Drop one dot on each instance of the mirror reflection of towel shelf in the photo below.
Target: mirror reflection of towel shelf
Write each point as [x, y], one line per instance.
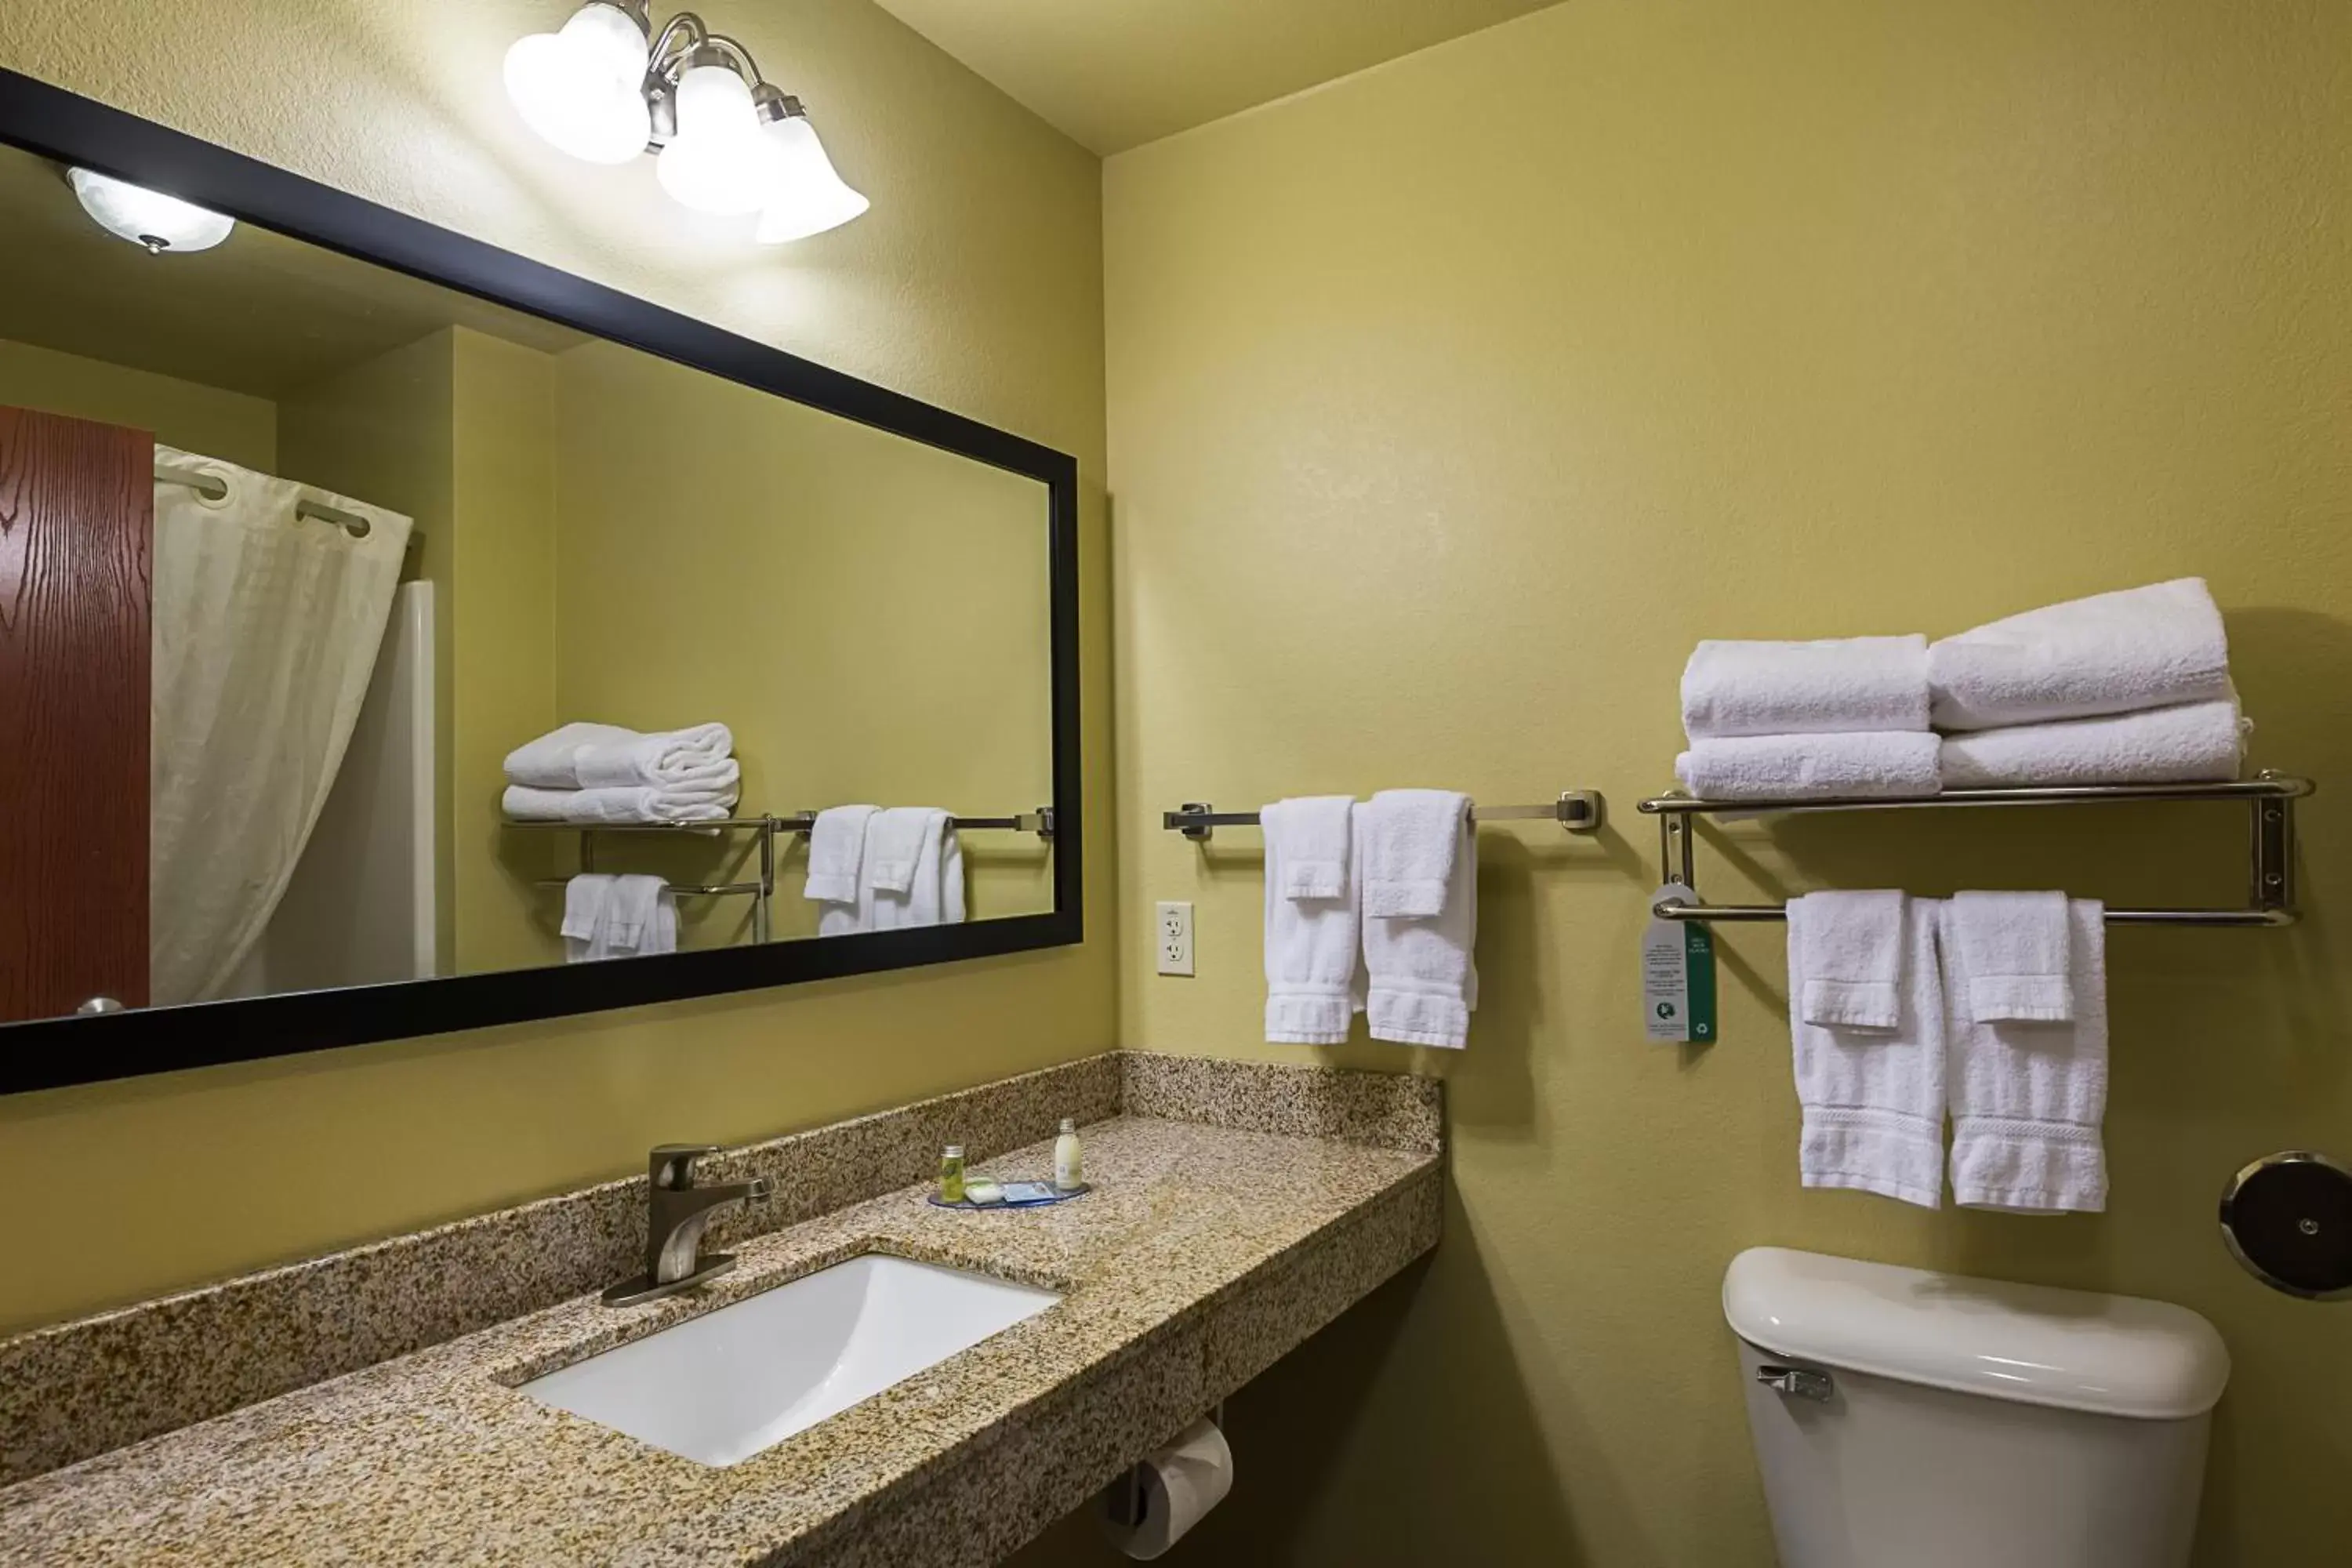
[2270, 799]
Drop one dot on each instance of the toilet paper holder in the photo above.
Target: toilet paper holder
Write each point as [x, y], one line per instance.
[1123, 1499]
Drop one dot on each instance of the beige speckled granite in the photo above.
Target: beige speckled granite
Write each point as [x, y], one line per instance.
[1396, 1111]
[1205, 1252]
[84, 1387]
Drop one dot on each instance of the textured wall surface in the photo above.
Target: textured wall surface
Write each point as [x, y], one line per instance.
[1450, 403]
[975, 282]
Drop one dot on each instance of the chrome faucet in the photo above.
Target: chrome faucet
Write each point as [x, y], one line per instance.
[677, 1214]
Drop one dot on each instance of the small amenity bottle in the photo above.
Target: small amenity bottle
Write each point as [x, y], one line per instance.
[951, 1175]
[1069, 1165]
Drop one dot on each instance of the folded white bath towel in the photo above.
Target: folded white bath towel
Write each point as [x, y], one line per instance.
[670, 758]
[636, 803]
[1854, 959]
[1873, 1099]
[1410, 842]
[1318, 844]
[606, 756]
[2111, 653]
[1783, 767]
[2014, 949]
[1837, 685]
[1421, 971]
[2196, 742]
[1313, 984]
[837, 853]
[2027, 1097]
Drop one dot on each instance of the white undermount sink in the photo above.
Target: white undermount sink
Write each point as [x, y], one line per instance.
[721, 1387]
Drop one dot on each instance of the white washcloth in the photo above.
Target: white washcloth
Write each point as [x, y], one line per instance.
[1317, 846]
[1780, 767]
[1837, 685]
[583, 911]
[1854, 959]
[1313, 985]
[603, 756]
[2014, 949]
[670, 758]
[637, 803]
[2111, 652]
[1873, 1099]
[837, 853]
[630, 912]
[2195, 743]
[2027, 1099]
[1410, 842]
[1421, 971]
[934, 891]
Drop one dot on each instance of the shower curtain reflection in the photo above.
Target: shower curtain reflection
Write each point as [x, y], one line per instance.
[266, 628]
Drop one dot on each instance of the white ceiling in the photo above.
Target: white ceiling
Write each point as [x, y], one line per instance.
[1113, 74]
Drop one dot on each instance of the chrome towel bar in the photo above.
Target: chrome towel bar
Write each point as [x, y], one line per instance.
[1577, 810]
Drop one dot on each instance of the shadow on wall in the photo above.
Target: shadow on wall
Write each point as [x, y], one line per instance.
[1417, 1397]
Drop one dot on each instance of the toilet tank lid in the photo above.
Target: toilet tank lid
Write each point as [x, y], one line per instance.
[2076, 1350]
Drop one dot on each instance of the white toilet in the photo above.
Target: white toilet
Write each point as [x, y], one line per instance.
[1904, 1417]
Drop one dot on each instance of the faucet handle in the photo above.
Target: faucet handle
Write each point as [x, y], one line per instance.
[671, 1165]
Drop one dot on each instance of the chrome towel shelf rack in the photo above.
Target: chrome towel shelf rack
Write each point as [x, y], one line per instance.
[761, 892]
[1577, 810]
[2269, 800]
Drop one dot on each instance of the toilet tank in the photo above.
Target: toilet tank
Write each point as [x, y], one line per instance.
[1903, 1417]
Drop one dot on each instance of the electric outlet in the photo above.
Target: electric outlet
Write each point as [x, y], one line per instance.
[1175, 939]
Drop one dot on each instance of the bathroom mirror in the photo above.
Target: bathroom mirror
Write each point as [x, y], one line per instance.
[323, 532]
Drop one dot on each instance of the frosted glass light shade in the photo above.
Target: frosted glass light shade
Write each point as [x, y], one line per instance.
[717, 163]
[805, 194]
[151, 218]
[584, 88]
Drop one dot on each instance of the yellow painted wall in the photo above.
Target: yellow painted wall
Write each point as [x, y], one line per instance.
[1451, 404]
[234, 426]
[866, 613]
[975, 282]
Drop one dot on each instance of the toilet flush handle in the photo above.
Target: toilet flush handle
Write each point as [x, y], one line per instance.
[1803, 1382]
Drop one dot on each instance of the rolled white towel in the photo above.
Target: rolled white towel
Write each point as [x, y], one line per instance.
[1837, 685]
[1788, 767]
[2111, 652]
[2197, 742]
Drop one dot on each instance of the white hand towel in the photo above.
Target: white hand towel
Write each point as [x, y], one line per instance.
[1854, 959]
[2014, 949]
[1318, 844]
[1781, 767]
[2196, 743]
[639, 802]
[1837, 685]
[585, 898]
[1421, 971]
[630, 912]
[1411, 840]
[934, 893]
[670, 758]
[2111, 652]
[552, 761]
[896, 845]
[1311, 977]
[837, 853]
[1873, 1099]
[2027, 1099]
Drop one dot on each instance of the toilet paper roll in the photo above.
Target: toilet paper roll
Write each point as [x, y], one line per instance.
[1181, 1483]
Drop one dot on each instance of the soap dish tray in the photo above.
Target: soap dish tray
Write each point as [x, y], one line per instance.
[1051, 1198]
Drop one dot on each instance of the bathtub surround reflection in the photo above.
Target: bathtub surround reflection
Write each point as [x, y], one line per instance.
[607, 86]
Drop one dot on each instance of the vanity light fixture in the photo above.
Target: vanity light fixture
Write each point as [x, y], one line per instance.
[609, 86]
[142, 216]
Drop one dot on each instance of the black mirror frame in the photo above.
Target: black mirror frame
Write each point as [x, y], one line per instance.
[53, 1052]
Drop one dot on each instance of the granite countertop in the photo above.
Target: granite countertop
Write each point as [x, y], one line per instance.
[1203, 1253]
